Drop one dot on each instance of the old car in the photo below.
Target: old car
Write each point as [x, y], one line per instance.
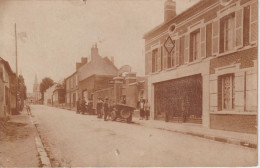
[122, 111]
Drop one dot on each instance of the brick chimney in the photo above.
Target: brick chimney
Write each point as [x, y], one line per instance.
[169, 10]
[84, 60]
[94, 52]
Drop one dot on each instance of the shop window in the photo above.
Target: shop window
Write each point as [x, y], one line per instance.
[227, 33]
[194, 45]
[226, 92]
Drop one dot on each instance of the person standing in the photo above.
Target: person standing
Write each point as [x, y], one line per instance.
[147, 109]
[99, 107]
[142, 109]
[106, 109]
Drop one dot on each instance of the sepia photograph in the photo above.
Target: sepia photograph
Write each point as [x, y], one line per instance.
[129, 83]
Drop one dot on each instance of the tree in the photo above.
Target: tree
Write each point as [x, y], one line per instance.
[45, 84]
[21, 91]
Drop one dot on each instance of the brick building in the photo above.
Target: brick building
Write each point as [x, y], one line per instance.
[202, 65]
[95, 74]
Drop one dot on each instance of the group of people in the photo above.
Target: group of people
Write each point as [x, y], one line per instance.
[84, 106]
[103, 107]
[144, 107]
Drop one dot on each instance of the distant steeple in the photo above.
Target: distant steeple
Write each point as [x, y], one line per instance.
[35, 79]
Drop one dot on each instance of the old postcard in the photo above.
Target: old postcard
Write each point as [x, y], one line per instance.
[128, 83]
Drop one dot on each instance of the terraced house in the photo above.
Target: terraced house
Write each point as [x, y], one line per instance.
[202, 65]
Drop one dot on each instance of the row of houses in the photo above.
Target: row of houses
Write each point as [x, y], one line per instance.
[96, 78]
[202, 64]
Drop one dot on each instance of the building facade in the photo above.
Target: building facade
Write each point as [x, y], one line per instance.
[7, 89]
[201, 65]
[96, 74]
[72, 86]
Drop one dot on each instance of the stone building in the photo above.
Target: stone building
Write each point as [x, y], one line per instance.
[201, 65]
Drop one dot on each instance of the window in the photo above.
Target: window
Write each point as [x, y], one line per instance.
[181, 55]
[227, 33]
[226, 92]
[156, 61]
[154, 57]
[195, 45]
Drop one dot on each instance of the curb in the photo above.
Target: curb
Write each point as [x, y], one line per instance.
[45, 161]
[214, 138]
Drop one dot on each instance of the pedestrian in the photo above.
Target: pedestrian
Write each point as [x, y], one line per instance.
[147, 109]
[142, 109]
[78, 105]
[99, 107]
[83, 105]
[106, 109]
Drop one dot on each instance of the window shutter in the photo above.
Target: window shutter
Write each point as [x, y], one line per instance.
[215, 37]
[203, 42]
[186, 49]
[219, 93]
[177, 51]
[159, 59]
[239, 28]
[253, 22]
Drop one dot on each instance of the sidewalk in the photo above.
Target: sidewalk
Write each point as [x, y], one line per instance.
[243, 139]
[17, 142]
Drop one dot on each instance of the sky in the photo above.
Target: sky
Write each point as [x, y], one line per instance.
[54, 34]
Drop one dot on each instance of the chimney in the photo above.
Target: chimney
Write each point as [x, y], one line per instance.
[169, 10]
[78, 65]
[84, 60]
[94, 52]
[112, 59]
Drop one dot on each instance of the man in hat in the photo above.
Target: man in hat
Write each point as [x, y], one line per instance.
[106, 109]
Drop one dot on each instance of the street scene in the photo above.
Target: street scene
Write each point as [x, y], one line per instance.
[159, 83]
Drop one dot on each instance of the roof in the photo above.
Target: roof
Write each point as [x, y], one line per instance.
[7, 66]
[70, 75]
[185, 12]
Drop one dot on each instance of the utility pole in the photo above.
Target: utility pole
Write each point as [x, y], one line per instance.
[16, 62]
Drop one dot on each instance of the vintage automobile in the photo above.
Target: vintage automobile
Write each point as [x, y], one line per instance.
[122, 111]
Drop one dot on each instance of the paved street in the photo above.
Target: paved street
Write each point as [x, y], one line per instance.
[82, 140]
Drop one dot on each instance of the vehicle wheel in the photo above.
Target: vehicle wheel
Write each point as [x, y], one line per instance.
[129, 119]
[113, 115]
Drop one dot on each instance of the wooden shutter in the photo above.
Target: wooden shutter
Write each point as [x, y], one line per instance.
[219, 93]
[177, 51]
[159, 59]
[253, 22]
[239, 28]
[203, 42]
[215, 37]
[186, 48]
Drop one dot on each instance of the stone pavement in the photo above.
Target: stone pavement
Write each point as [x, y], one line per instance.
[243, 139]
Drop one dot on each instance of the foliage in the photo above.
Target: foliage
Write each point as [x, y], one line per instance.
[45, 84]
